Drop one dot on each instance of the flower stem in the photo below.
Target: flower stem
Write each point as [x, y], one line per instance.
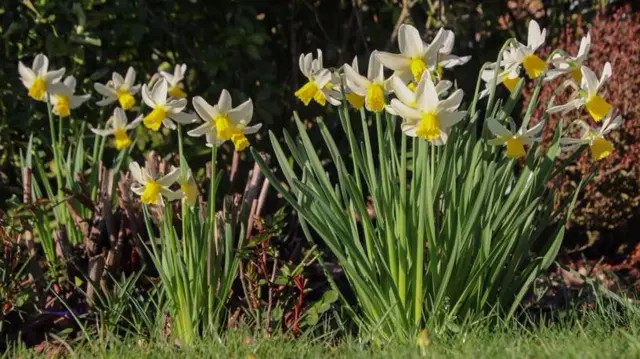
[54, 147]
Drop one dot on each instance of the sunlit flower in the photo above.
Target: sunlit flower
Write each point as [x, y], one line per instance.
[150, 187]
[163, 111]
[507, 77]
[63, 99]
[189, 188]
[38, 79]
[406, 93]
[355, 100]
[520, 54]
[119, 89]
[222, 122]
[429, 118]
[117, 126]
[371, 87]
[415, 56]
[588, 96]
[513, 140]
[175, 81]
[319, 85]
[571, 64]
[599, 146]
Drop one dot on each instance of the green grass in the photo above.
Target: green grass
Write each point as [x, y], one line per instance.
[593, 336]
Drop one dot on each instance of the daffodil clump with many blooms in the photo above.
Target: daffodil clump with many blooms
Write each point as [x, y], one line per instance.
[455, 225]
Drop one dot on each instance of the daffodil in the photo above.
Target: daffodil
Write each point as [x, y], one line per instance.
[507, 77]
[119, 89]
[371, 87]
[63, 98]
[164, 111]
[355, 100]
[222, 122]
[406, 93]
[571, 64]
[588, 96]
[189, 188]
[513, 140]
[175, 81]
[599, 146]
[38, 79]
[429, 118]
[415, 56]
[519, 54]
[150, 187]
[319, 86]
[117, 126]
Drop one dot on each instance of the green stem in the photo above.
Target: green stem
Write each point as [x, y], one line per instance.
[403, 240]
[54, 147]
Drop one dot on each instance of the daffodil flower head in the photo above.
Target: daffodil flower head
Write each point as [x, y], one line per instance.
[355, 100]
[38, 79]
[189, 188]
[152, 188]
[415, 56]
[118, 126]
[570, 64]
[175, 81]
[222, 122]
[164, 110]
[406, 92]
[431, 118]
[588, 95]
[372, 87]
[513, 140]
[319, 85]
[599, 146]
[119, 89]
[520, 54]
[63, 98]
[445, 59]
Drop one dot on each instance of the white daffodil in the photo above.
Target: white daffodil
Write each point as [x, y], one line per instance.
[445, 58]
[117, 126]
[520, 54]
[152, 188]
[571, 64]
[38, 79]
[119, 89]
[371, 87]
[415, 56]
[355, 100]
[507, 77]
[429, 118]
[63, 98]
[594, 138]
[406, 93]
[164, 111]
[189, 188]
[222, 122]
[588, 96]
[512, 139]
[175, 81]
[319, 86]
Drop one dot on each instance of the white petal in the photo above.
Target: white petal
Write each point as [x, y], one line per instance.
[394, 62]
[159, 92]
[201, 130]
[589, 81]
[134, 123]
[443, 86]
[534, 131]
[571, 105]
[136, 172]
[77, 101]
[224, 103]
[130, 77]
[252, 129]
[137, 190]
[171, 195]
[204, 110]
[147, 96]
[359, 82]
[426, 94]
[52, 76]
[447, 43]
[176, 106]
[448, 119]
[26, 73]
[409, 41]
[402, 91]
[117, 80]
[183, 118]
[405, 111]
[535, 38]
[375, 72]
[119, 118]
[170, 178]
[606, 74]
[168, 77]
[453, 102]
[409, 128]
[102, 132]
[106, 101]
[453, 60]
[241, 114]
[585, 45]
[40, 64]
[168, 123]
[71, 82]
[497, 129]
[104, 90]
